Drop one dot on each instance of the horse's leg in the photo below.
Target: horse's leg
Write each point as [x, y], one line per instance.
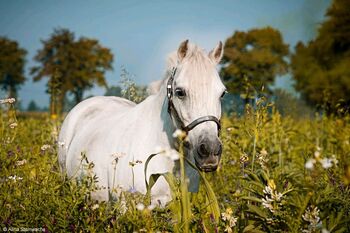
[102, 192]
[160, 193]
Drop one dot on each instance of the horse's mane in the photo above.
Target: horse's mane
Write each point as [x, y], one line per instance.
[194, 53]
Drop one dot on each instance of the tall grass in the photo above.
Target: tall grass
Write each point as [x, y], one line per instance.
[277, 174]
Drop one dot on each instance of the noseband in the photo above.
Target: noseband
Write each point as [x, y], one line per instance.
[173, 113]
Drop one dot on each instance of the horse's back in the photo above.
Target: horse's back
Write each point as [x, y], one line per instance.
[83, 114]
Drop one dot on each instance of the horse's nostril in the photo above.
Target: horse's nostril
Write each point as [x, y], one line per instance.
[202, 150]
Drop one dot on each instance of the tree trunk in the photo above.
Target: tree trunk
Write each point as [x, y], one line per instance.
[61, 102]
[12, 92]
[57, 101]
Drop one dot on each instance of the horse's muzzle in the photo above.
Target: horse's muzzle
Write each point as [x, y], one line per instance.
[207, 168]
[208, 164]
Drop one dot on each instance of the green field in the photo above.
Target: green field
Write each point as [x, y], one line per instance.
[277, 174]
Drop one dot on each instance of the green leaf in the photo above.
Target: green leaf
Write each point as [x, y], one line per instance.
[209, 192]
[255, 199]
[256, 210]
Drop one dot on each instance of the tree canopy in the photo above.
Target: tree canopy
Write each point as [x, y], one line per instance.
[71, 65]
[12, 61]
[253, 59]
[321, 67]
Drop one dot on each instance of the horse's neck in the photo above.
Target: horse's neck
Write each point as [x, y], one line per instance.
[169, 128]
[161, 120]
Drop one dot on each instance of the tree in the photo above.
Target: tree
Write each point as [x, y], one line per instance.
[253, 59]
[12, 61]
[321, 67]
[288, 105]
[114, 91]
[71, 65]
[32, 106]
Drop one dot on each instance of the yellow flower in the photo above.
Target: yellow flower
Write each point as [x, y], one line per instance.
[272, 184]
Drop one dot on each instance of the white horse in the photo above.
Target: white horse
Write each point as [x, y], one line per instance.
[102, 127]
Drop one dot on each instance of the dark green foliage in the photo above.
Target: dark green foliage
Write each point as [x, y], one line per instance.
[114, 91]
[289, 105]
[71, 65]
[32, 106]
[12, 61]
[252, 60]
[321, 67]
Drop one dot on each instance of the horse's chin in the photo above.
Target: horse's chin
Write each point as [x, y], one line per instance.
[205, 168]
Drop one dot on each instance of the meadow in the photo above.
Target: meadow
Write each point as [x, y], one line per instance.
[277, 174]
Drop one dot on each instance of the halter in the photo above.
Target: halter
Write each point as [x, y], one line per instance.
[172, 109]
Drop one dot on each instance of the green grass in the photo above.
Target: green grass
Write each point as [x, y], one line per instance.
[262, 184]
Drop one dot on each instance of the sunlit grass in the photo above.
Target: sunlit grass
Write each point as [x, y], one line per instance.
[277, 174]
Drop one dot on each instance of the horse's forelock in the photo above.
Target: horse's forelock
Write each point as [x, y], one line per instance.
[194, 53]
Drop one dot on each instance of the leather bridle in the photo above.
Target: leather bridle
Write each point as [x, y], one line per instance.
[174, 114]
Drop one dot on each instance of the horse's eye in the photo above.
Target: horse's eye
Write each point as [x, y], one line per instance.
[180, 93]
[223, 94]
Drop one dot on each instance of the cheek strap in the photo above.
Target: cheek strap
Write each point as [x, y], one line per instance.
[174, 114]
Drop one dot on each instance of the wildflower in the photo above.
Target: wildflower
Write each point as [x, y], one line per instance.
[271, 197]
[310, 164]
[13, 125]
[229, 219]
[172, 154]
[334, 160]
[140, 206]
[262, 158]
[244, 158]
[45, 147]
[21, 162]
[326, 163]
[228, 213]
[229, 129]
[116, 157]
[53, 116]
[133, 163]
[8, 101]
[94, 207]
[15, 178]
[263, 152]
[132, 190]
[179, 134]
[311, 215]
[317, 154]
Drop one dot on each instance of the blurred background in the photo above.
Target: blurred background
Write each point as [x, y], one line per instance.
[296, 53]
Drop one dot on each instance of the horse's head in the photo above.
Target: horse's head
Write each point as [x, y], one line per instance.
[194, 98]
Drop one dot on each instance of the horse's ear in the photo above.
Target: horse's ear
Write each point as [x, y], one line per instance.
[217, 53]
[182, 50]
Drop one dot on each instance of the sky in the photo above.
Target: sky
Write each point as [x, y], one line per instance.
[142, 33]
